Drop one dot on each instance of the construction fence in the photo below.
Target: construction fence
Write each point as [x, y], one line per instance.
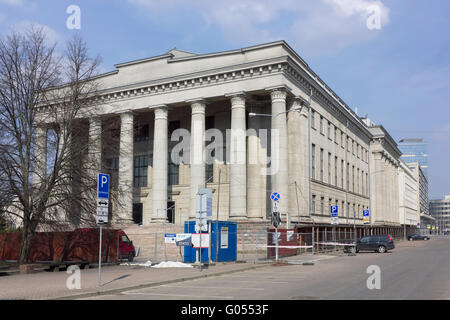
[255, 247]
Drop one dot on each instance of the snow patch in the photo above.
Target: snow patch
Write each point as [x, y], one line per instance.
[172, 264]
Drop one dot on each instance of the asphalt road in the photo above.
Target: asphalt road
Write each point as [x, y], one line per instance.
[413, 270]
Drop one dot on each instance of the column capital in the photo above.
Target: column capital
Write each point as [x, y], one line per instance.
[278, 92]
[237, 99]
[197, 101]
[126, 113]
[198, 106]
[161, 112]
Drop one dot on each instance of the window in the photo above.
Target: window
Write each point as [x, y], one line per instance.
[141, 133]
[362, 183]
[209, 122]
[313, 204]
[329, 168]
[329, 130]
[112, 163]
[342, 173]
[321, 165]
[335, 135]
[173, 173]
[173, 125]
[342, 140]
[140, 171]
[313, 160]
[313, 119]
[322, 205]
[321, 124]
[357, 181]
[209, 172]
[353, 178]
[336, 171]
[347, 173]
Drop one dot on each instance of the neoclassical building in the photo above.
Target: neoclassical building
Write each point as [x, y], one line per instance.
[300, 139]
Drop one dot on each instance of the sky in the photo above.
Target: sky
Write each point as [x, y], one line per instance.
[389, 59]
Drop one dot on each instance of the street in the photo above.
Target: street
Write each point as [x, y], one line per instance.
[413, 270]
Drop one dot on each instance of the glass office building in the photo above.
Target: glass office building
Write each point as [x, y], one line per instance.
[415, 150]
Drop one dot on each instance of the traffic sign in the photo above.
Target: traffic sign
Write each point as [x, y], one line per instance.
[103, 185]
[334, 211]
[275, 206]
[276, 219]
[102, 198]
[103, 202]
[366, 216]
[275, 196]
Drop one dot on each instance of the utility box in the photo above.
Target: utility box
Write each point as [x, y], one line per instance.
[226, 242]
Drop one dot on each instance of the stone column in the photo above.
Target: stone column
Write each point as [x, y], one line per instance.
[396, 195]
[279, 151]
[256, 175]
[64, 184]
[40, 157]
[386, 182]
[238, 155]
[95, 146]
[126, 168]
[160, 165]
[297, 128]
[197, 151]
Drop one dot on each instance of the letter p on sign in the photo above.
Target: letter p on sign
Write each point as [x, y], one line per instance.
[103, 185]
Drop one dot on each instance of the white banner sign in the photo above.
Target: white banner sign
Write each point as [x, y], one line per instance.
[204, 240]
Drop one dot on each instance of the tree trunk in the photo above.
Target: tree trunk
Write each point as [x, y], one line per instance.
[27, 238]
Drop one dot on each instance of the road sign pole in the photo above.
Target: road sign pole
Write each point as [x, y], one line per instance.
[276, 244]
[100, 259]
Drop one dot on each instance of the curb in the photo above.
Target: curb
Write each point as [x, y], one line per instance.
[153, 284]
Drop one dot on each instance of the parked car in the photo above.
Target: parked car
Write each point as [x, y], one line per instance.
[377, 243]
[417, 237]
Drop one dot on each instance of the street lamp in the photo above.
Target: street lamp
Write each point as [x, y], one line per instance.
[253, 114]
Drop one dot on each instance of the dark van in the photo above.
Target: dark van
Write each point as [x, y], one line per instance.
[377, 243]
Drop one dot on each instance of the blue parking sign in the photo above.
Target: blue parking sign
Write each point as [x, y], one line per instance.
[334, 211]
[103, 185]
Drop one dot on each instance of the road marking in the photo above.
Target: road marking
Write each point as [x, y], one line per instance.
[236, 280]
[174, 295]
[203, 287]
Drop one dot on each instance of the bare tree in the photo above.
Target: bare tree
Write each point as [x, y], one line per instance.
[45, 160]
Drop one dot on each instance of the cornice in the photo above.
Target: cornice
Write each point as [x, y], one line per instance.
[323, 95]
[210, 77]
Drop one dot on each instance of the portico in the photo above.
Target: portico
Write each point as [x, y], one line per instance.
[169, 124]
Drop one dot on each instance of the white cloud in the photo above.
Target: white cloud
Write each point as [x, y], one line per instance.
[15, 3]
[315, 27]
[52, 35]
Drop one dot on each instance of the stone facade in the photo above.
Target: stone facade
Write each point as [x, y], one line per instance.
[287, 132]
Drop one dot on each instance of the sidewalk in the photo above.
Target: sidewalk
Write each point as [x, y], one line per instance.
[52, 285]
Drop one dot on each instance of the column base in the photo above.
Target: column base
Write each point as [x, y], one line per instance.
[240, 218]
[158, 220]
